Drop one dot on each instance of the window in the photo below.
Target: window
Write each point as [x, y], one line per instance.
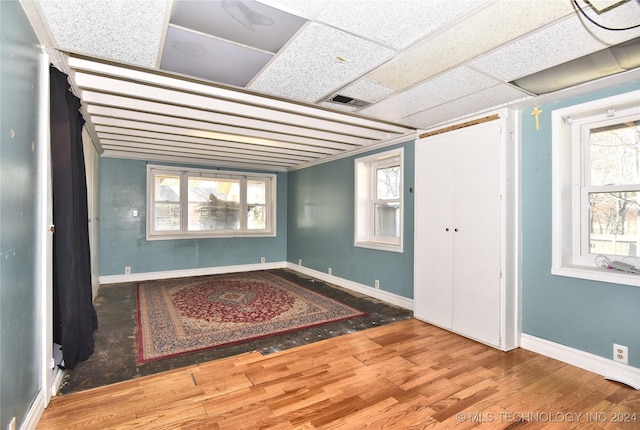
[378, 218]
[596, 185]
[206, 203]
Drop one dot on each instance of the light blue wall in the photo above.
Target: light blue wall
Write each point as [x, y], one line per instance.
[321, 226]
[20, 326]
[315, 224]
[586, 315]
[123, 237]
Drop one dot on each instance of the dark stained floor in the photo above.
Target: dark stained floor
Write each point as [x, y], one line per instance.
[114, 357]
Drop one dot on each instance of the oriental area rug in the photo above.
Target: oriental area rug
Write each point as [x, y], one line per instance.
[181, 316]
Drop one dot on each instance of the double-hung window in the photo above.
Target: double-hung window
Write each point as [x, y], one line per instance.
[596, 181]
[379, 208]
[194, 203]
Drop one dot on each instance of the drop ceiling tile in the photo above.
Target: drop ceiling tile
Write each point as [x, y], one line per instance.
[309, 68]
[491, 26]
[452, 85]
[622, 16]
[392, 25]
[541, 50]
[120, 30]
[367, 91]
[306, 9]
[484, 100]
[209, 58]
[245, 22]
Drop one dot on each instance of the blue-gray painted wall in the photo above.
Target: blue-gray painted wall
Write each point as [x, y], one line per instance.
[20, 321]
[586, 315]
[321, 226]
[123, 237]
[315, 224]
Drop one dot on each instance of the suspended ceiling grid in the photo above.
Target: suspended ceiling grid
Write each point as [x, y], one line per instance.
[146, 69]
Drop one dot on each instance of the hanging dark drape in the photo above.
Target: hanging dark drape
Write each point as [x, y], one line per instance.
[74, 317]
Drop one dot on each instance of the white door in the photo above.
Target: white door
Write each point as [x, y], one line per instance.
[458, 231]
[477, 232]
[433, 232]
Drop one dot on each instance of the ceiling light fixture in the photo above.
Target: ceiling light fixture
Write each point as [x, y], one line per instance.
[607, 62]
[244, 15]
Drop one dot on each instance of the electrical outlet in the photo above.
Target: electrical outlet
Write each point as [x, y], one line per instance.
[300, 262]
[12, 424]
[127, 270]
[376, 284]
[330, 271]
[262, 259]
[620, 353]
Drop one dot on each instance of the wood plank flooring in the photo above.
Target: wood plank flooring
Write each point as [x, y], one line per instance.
[404, 375]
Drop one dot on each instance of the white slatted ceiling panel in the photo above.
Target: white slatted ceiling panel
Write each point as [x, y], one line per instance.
[151, 115]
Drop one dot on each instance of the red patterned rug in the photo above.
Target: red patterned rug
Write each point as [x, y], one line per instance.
[180, 316]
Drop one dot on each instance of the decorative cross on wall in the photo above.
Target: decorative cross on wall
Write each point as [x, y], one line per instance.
[536, 112]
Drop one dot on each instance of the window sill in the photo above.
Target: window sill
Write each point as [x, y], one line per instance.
[379, 246]
[212, 236]
[597, 274]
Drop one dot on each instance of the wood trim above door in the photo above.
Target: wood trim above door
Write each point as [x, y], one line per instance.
[459, 126]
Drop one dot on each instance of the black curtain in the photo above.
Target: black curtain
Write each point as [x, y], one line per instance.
[74, 317]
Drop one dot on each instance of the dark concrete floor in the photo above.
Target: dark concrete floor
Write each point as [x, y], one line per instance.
[114, 357]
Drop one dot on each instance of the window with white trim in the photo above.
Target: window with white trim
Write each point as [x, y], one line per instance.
[198, 203]
[379, 201]
[596, 186]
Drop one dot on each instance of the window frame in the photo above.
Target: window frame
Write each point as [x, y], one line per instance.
[570, 188]
[188, 172]
[366, 198]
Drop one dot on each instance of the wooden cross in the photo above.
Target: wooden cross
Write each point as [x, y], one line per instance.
[536, 112]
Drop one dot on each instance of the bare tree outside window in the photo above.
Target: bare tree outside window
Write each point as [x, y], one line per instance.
[167, 203]
[387, 202]
[614, 189]
[256, 205]
[214, 204]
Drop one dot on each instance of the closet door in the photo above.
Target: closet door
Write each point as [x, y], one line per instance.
[477, 232]
[458, 231]
[433, 246]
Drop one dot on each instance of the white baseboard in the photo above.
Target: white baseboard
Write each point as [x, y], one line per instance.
[385, 296]
[56, 382]
[35, 413]
[150, 276]
[610, 369]
[345, 283]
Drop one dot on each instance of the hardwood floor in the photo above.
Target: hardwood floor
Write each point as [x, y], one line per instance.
[404, 375]
[114, 358]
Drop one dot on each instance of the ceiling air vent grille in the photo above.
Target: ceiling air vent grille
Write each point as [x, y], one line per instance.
[349, 101]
